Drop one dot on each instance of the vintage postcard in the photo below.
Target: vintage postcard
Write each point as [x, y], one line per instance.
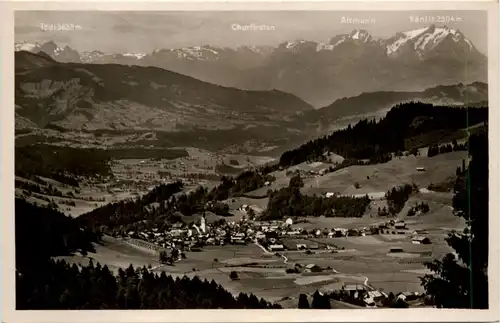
[249, 161]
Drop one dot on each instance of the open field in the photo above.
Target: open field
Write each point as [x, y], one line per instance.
[373, 179]
[382, 177]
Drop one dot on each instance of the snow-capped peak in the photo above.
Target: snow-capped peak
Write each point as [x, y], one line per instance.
[425, 39]
[292, 44]
[136, 55]
[360, 34]
[25, 46]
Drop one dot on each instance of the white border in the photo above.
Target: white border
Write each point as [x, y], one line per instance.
[291, 315]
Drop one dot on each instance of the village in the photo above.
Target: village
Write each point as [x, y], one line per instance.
[285, 239]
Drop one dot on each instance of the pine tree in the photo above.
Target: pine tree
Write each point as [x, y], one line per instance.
[303, 301]
[463, 282]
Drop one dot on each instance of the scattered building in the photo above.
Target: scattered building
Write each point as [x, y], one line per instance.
[353, 288]
[421, 240]
[376, 295]
[407, 296]
[329, 194]
[312, 268]
[301, 246]
[400, 225]
[313, 246]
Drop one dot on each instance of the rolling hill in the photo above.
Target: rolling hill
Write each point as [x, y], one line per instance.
[76, 96]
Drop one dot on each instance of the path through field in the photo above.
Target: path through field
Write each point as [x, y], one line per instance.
[261, 247]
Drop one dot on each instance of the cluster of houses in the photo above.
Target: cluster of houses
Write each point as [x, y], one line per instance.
[400, 227]
[372, 297]
[276, 236]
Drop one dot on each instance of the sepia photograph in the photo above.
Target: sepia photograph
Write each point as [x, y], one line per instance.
[256, 159]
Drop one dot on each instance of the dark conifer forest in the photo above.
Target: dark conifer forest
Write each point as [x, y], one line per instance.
[290, 202]
[460, 280]
[44, 283]
[373, 140]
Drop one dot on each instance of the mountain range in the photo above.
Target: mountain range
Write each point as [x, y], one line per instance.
[319, 73]
[178, 110]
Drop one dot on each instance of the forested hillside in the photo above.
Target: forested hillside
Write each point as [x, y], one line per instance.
[42, 283]
[373, 140]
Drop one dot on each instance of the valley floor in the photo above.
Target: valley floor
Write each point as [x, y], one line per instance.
[364, 259]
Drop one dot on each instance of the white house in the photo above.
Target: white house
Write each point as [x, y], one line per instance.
[289, 221]
[301, 246]
[329, 194]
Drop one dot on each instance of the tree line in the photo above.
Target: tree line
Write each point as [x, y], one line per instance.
[397, 197]
[290, 202]
[45, 283]
[136, 214]
[448, 148]
[460, 280]
[57, 285]
[63, 164]
[374, 140]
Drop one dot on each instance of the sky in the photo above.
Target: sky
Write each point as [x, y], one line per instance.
[131, 32]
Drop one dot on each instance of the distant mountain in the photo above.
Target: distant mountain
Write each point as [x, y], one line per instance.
[61, 54]
[347, 65]
[77, 96]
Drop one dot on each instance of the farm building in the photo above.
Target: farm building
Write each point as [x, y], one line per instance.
[353, 288]
[301, 246]
[420, 169]
[421, 240]
[329, 194]
[312, 268]
[395, 250]
[376, 295]
[289, 221]
[407, 296]
[313, 246]
[400, 225]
